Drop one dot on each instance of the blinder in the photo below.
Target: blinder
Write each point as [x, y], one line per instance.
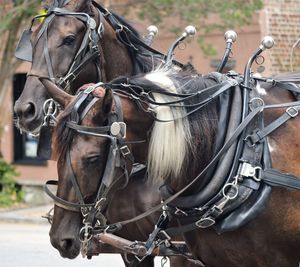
[24, 47]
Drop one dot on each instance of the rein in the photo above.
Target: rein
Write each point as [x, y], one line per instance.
[267, 175]
[257, 173]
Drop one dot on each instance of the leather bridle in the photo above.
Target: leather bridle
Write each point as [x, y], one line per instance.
[119, 155]
[88, 51]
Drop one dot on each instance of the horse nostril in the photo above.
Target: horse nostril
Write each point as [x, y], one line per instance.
[26, 110]
[66, 244]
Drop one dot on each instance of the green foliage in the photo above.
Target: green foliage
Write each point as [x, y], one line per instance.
[208, 16]
[9, 191]
[230, 14]
[21, 9]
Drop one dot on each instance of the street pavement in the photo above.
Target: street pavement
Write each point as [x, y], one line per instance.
[28, 245]
[24, 241]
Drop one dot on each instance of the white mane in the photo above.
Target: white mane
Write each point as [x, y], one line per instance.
[170, 141]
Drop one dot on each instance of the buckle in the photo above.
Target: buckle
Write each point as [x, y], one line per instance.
[89, 90]
[125, 151]
[247, 170]
[70, 78]
[163, 235]
[180, 212]
[205, 222]
[232, 82]
[292, 111]
[249, 141]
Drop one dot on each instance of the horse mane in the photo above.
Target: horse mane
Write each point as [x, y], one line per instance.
[175, 147]
[62, 135]
[175, 144]
[144, 59]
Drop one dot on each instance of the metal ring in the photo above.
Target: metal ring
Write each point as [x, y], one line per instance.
[82, 233]
[230, 185]
[258, 58]
[49, 101]
[257, 179]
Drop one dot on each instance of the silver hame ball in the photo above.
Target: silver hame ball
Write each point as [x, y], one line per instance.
[152, 29]
[230, 36]
[190, 30]
[268, 42]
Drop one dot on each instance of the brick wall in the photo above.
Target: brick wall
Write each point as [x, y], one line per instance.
[283, 23]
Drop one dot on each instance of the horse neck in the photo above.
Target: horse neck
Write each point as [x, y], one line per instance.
[138, 124]
[116, 56]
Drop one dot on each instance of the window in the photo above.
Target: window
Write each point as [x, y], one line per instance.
[25, 146]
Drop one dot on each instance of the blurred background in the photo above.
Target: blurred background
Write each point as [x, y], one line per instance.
[22, 173]
[251, 19]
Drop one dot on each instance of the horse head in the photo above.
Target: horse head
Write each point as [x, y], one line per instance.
[71, 47]
[83, 158]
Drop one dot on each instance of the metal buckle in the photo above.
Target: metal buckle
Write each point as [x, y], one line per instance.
[180, 212]
[125, 151]
[107, 12]
[247, 170]
[89, 90]
[205, 222]
[98, 204]
[232, 82]
[293, 112]
[249, 141]
[69, 78]
[164, 234]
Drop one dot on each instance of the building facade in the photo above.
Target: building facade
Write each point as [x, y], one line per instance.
[279, 18]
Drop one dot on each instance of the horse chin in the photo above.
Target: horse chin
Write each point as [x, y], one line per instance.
[71, 253]
[32, 128]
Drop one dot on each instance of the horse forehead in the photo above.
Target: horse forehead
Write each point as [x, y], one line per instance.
[65, 24]
[84, 145]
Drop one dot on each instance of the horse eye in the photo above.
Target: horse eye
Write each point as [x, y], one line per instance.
[93, 159]
[69, 40]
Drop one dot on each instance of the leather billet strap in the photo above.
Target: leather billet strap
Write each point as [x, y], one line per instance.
[276, 178]
[259, 135]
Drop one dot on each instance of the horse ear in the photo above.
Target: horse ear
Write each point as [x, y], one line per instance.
[56, 93]
[107, 101]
